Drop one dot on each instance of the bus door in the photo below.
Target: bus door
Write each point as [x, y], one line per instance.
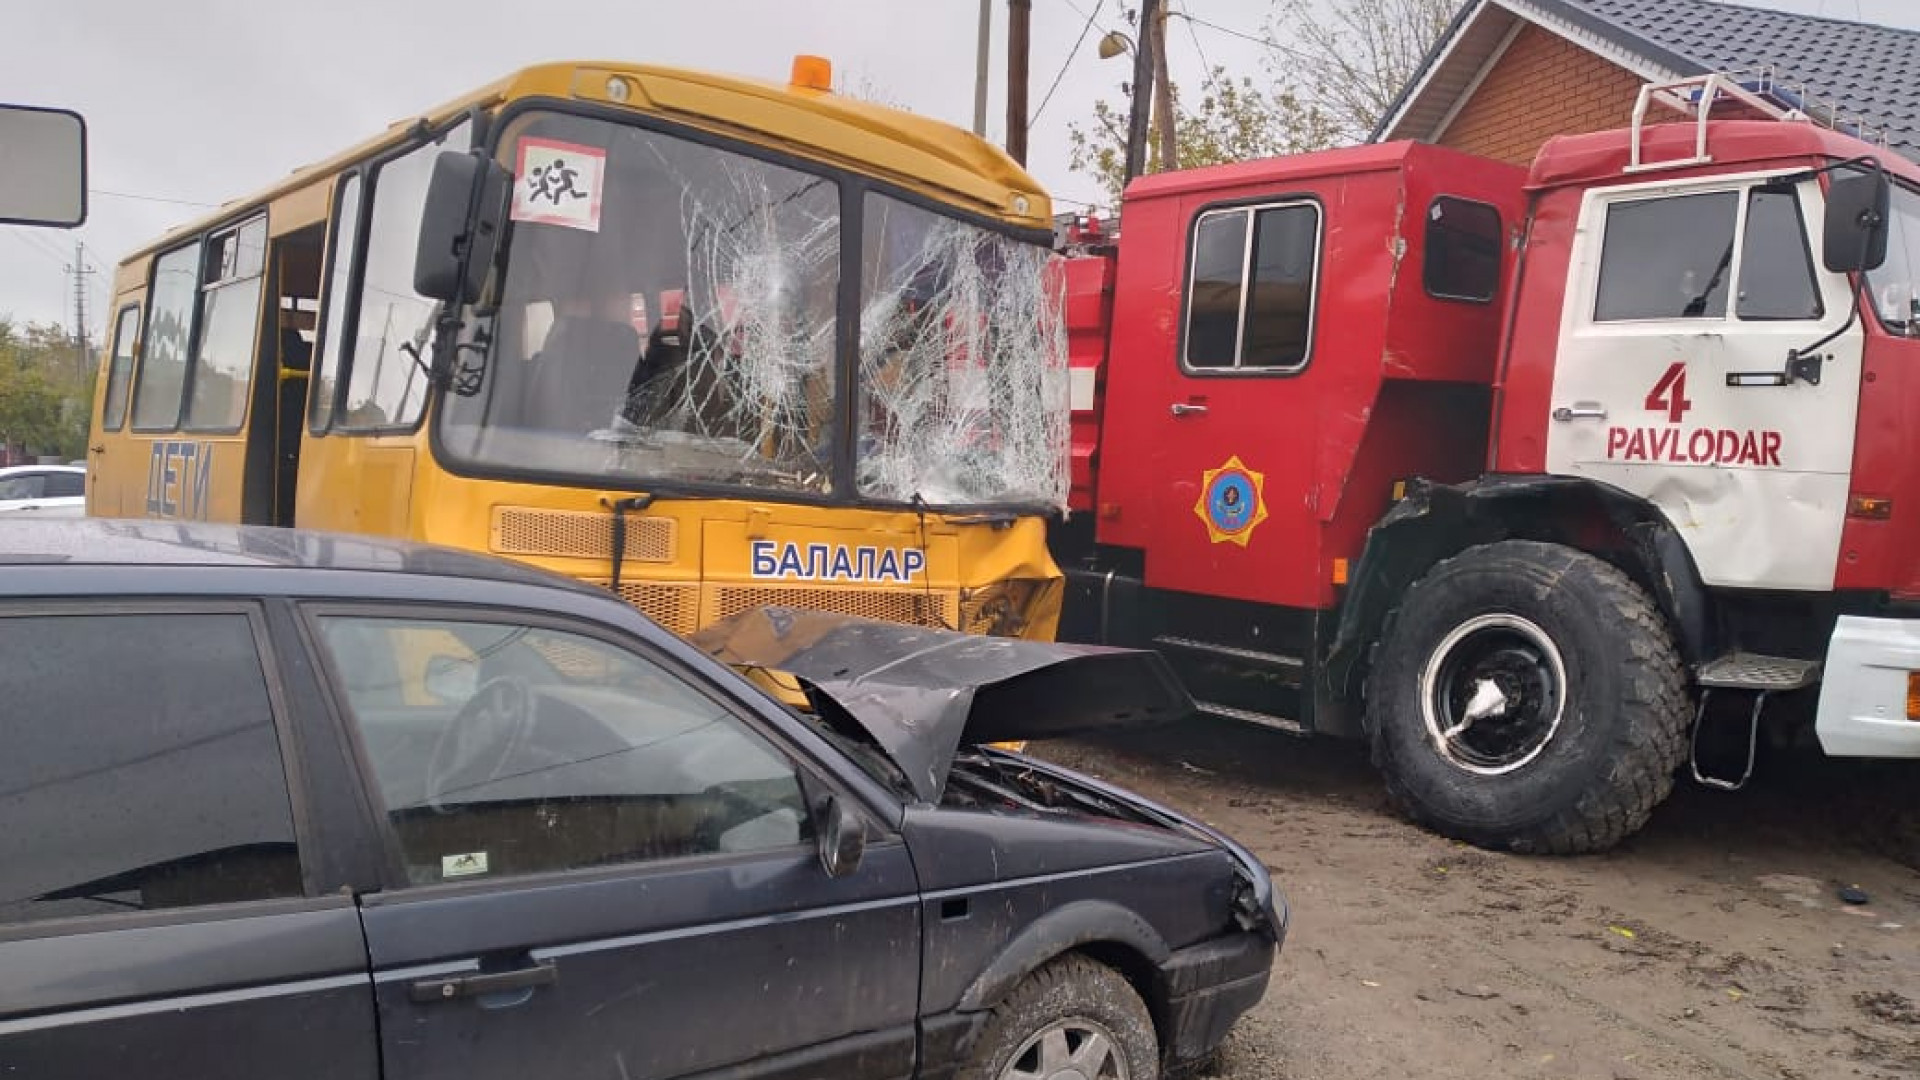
[286, 360]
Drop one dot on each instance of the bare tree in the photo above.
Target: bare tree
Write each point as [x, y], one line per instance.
[1350, 58]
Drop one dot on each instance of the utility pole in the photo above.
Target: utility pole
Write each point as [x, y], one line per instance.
[980, 68]
[83, 356]
[1142, 88]
[1019, 20]
[1163, 93]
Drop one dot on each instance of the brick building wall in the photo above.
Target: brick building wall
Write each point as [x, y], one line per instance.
[1544, 85]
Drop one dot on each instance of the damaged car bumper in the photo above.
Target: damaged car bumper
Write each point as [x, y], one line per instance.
[1203, 989]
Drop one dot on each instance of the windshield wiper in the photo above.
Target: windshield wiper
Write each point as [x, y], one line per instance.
[1697, 306]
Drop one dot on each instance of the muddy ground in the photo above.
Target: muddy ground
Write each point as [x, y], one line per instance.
[1713, 944]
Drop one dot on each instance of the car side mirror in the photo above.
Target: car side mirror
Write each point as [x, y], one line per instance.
[1856, 223]
[843, 837]
[43, 167]
[452, 679]
[466, 206]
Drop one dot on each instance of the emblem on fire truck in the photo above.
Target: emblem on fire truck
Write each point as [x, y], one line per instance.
[1232, 501]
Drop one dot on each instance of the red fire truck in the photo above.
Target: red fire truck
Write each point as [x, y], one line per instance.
[1525, 476]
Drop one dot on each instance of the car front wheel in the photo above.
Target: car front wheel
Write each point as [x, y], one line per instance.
[1074, 1019]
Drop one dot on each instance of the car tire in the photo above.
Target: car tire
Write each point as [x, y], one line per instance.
[1073, 1017]
[1529, 697]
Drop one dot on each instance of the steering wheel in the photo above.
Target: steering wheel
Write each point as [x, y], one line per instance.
[482, 737]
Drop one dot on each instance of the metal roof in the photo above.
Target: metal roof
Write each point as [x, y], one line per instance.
[1869, 76]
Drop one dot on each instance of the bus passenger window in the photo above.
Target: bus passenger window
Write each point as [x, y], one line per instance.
[222, 370]
[113, 411]
[163, 349]
[341, 253]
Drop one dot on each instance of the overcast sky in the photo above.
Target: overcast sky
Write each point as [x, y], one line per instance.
[205, 100]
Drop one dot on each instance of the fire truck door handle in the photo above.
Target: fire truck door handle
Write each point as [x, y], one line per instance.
[1181, 408]
[1585, 410]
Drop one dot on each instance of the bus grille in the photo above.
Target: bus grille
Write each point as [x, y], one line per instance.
[676, 607]
[917, 607]
[580, 534]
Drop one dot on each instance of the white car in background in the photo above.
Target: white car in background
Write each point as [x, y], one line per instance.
[43, 491]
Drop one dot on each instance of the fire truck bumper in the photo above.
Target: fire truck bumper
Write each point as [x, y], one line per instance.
[1870, 692]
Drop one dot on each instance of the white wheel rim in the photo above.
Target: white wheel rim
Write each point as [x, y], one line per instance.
[1493, 694]
[1070, 1049]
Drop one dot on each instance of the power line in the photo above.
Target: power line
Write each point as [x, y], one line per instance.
[1068, 62]
[35, 244]
[1241, 34]
[1206, 65]
[152, 198]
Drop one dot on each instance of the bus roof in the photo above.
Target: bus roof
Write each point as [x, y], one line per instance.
[921, 154]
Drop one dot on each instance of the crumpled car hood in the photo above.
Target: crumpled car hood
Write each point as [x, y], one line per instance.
[921, 694]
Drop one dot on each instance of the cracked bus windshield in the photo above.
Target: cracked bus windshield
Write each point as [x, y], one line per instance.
[669, 311]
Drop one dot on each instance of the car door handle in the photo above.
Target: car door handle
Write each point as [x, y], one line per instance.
[1183, 409]
[543, 973]
[1583, 410]
[97, 448]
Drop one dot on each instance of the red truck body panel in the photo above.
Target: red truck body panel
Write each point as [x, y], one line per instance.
[1395, 383]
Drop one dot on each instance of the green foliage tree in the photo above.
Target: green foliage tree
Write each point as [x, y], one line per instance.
[1332, 70]
[46, 390]
[1234, 120]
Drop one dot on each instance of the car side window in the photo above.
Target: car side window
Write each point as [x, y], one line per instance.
[1463, 245]
[66, 485]
[24, 486]
[1250, 288]
[501, 748]
[161, 786]
[1776, 267]
[1667, 258]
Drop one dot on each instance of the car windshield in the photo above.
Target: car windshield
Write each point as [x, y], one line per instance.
[671, 311]
[1895, 285]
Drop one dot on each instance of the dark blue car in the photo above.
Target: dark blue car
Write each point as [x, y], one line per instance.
[286, 804]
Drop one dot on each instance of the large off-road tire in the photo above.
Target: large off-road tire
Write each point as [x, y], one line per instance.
[1530, 697]
[1074, 1017]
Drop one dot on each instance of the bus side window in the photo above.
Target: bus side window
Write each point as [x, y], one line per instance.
[113, 411]
[394, 324]
[163, 348]
[341, 252]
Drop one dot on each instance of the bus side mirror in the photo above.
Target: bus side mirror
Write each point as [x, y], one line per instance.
[43, 167]
[460, 226]
[1856, 223]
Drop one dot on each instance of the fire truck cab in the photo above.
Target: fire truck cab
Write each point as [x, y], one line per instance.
[1527, 477]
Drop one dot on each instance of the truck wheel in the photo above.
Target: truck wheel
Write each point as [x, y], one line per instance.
[1528, 696]
[1073, 1019]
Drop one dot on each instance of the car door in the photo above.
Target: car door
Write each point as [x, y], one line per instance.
[65, 494]
[1237, 420]
[155, 920]
[1683, 306]
[603, 867]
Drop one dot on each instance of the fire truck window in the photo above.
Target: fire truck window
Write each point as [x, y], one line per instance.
[1280, 303]
[1463, 250]
[1213, 299]
[1667, 258]
[1776, 268]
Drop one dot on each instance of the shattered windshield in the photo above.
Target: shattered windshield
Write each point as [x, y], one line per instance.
[669, 310]
[963, 389]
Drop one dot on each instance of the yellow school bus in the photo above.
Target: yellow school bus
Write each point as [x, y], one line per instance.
[710, 342]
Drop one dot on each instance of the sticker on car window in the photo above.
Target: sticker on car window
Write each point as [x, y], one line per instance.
[467, 865]
[558, 183]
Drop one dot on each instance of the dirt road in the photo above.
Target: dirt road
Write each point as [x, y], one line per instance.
[1711, 945]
